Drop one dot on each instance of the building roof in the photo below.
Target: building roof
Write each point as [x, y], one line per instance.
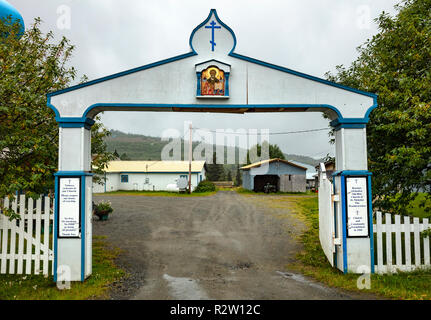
[311, 170]
[258, 164]
[154, 166]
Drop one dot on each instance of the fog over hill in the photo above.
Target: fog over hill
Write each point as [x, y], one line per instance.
[141, 147]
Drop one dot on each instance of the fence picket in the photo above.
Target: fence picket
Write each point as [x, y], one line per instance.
[38, 217]
[397, 229]
[46, 215]
[388, 227]
[5, 236]
[426, 243]
[21, 220]
[29, 238]
[407, 237]
[12, 248]
[379, 241]
[417, 245]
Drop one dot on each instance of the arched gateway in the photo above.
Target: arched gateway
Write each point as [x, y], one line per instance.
[212, 77]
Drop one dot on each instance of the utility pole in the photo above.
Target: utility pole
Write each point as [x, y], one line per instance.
[190, 158]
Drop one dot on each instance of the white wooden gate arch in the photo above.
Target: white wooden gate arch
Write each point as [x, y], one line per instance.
[248, 85]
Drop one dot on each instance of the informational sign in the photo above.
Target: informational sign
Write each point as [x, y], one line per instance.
[69, 207]
[357, 206]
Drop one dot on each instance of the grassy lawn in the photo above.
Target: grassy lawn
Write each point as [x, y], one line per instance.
[312, 262]
[156, 194]
[105, 272]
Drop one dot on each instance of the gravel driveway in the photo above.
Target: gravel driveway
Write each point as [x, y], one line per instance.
[217, 247]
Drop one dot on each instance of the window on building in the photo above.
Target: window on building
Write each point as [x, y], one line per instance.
[147, 180]
[184, 176]
[124, 178]
[290, 177]
[200, 178]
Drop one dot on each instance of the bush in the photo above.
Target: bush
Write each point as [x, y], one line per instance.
[103, 207]
[205, 186]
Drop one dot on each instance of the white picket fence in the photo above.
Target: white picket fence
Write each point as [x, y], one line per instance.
[401, 239]
[25, 243]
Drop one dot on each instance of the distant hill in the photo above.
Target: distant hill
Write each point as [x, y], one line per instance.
[140, 147]
[135, 146]
[303, 159]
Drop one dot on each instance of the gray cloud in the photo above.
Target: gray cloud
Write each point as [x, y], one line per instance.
[311, 36]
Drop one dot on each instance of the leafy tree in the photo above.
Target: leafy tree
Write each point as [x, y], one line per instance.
[396, 64]
[215, 172]
[99, 150]
[31, 67]
[116, 155]
[229, 176]
[274, 151]
[124, 157]
[238, 180]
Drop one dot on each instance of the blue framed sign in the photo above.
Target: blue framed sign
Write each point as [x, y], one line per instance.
[357, 217]
[69, 207]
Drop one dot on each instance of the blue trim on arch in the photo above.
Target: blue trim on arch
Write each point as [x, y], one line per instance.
[350, 126]
[213, 11]
[72, 173]
[352, 173]
[340, 121]
[208, 106]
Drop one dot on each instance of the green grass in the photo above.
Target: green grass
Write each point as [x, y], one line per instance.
[105, 272]
[156, 194]
[312, 262]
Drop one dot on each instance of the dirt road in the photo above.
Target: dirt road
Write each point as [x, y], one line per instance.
[216, 247]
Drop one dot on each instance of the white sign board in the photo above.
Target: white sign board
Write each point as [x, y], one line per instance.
[69, 208]
[357, 207]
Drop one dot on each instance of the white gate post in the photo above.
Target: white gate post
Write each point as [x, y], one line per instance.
[356, 249]
[73, 205]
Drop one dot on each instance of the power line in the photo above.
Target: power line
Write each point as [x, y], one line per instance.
[270, 133]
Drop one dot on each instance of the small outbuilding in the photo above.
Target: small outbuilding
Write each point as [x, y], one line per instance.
[149, 175]
[285, 175]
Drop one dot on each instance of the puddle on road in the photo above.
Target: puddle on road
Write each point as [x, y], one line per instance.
[185, 288]
[302, 279]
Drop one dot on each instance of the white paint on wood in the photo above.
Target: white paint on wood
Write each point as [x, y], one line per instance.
[326, 218]
[426, 226]
[25, 242]
[5, 234]
[21, 233]
[416, 242]
[29, 247]
[388, 226]
[403, 234]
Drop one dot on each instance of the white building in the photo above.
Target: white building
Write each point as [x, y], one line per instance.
[149, 175]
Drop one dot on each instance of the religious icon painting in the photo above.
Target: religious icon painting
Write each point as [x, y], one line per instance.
[213, 82]
[212, 79]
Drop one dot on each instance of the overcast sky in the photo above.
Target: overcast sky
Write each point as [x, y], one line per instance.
[311, 36]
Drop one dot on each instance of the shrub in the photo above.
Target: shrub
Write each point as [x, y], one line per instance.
[205, 186]
[103, 207]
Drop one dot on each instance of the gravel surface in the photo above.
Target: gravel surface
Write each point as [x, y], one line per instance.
[218, 247]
